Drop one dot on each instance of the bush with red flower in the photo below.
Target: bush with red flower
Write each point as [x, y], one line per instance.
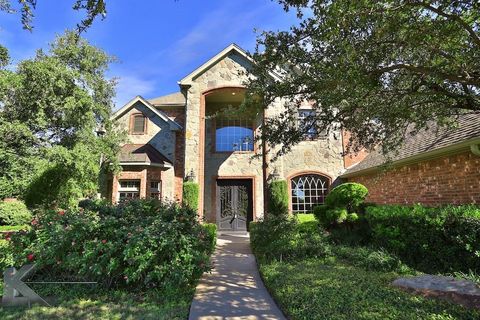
[141, 243]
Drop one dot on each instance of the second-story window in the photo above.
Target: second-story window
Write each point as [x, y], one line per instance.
[306, 122]
[138, 124]
[233, 135]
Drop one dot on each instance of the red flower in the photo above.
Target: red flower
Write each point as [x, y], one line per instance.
[34, 222]
[30, 257]
[104, 241]
[8, 239]
[61, 212]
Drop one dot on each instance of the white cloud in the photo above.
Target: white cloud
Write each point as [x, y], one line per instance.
[130, 86]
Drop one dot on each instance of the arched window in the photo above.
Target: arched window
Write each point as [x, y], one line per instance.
[308, 190]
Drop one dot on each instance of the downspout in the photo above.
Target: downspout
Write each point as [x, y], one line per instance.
[475, 148]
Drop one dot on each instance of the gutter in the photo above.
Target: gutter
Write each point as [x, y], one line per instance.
[472, 145]
[147, 164]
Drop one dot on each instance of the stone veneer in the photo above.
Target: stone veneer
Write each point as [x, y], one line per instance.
[321, 156]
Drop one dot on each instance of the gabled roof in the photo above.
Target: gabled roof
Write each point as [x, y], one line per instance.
[142, 154]
[426, 143]
[159, 113]
[172, 99]
[219, 56]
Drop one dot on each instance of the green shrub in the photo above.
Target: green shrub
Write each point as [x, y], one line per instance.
[191, 193]
[278, 197]
[430, 239]
[211, 236]
[6, 252]
[348, 195]
[14, 213]
[140, 243]
[341, 205]
[283, 238]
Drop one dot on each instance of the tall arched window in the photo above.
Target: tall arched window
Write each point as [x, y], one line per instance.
[308, 190]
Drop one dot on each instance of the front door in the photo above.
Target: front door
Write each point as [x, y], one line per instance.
[234, 204]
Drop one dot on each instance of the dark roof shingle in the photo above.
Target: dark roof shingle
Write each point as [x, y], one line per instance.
[435, 138]
[142, 153]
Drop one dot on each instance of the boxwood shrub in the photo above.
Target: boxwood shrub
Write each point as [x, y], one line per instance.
[190, 194]
[137, 244]
[430, 239]
[278, 197]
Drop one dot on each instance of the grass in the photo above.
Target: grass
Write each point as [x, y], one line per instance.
[332, 289]
[348, 283]
[107, 305]
[12, 228]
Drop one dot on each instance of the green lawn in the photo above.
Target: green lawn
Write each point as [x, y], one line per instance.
[316, 289]
[111, 305]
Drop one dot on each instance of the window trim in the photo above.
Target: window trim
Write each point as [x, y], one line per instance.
[318, 135]
[302, 173]
[159, 189]
[214, 139]
[128, 190]
[132, 123]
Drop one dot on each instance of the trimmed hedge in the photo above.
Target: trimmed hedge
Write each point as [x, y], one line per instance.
[278, 197]
[211, 235]
[342, 205]
[14, 213]
[430, 239]
[191, 192]
[283, 238]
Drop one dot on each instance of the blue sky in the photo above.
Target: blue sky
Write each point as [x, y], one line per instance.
[157, 42]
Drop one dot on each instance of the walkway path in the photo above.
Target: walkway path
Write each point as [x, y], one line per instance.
[234, 289]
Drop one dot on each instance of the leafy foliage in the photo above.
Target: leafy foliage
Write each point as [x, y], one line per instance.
[14, 213]
[278, 197]
[93, 8]
[191, 192]
[374, 68]
[334, 289]
[283, 238]
[51, 106]
[430, 239]
[342, 205]
[139, 244]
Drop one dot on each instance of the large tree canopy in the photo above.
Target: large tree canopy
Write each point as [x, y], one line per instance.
[50, 107]
[26, 8]
[371, 67]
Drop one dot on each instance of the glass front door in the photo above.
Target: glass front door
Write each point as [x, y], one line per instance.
[234, 204]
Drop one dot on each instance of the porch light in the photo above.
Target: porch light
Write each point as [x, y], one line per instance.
[191, 176]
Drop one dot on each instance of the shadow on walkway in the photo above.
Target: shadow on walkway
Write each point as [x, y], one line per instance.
[234, 289]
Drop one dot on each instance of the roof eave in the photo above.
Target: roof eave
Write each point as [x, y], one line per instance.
[173, 125]
[454, 148]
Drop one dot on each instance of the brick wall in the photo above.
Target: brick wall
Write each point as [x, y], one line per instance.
[451, 179]
[178, 115]
[144, 174]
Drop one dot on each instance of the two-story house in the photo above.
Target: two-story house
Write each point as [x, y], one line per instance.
[185, 136]
[180, 136]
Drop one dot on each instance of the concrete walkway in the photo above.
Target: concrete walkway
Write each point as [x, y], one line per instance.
[234, 289]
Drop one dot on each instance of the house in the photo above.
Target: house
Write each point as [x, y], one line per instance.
[183, 136]
[433, 167]
[177, 137]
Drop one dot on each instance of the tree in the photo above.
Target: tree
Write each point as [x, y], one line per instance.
[50, 108]
[93, 8]
[375, 68]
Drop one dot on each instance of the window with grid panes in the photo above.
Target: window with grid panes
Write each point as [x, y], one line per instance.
[233, 135]
[308, 191]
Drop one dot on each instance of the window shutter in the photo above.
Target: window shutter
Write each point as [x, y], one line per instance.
[139, 124]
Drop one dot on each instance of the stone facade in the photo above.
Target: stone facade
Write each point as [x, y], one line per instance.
[193, 147]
